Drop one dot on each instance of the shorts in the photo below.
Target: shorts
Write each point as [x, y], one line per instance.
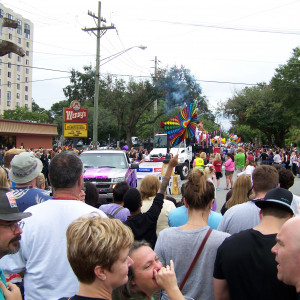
[219, 175]
[228, 173]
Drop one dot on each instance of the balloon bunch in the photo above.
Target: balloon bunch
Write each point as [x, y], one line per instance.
[234, 139]
[216, 140]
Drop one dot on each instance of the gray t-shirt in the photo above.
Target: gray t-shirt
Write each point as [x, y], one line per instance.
[181, 246]
[240, 217]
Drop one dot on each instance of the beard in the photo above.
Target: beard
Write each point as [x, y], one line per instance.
[13, 246]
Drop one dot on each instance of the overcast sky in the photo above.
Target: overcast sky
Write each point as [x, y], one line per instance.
[219, 41]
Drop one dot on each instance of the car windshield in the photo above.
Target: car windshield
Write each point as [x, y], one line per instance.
[160, 141]
[101, 160]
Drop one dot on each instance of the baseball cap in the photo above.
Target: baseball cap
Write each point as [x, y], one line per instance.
[25, 167]
[280, 198]
[8, 206]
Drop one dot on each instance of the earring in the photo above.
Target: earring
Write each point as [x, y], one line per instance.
[102, 278]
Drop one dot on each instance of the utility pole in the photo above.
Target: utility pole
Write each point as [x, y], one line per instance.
[155, 102]
[100, 32]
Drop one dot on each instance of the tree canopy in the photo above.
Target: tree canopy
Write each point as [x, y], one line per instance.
[286, 84]
[259, 108]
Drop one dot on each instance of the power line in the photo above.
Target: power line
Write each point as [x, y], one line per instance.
[262, 30]
[38, 80]
[39, 68]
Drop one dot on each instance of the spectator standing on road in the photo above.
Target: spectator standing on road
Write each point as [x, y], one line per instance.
[229, 169]
[41, 182]
[116, 209]
[48, 274]
[204, 157]
[264, 157]
[240, 160]
[45, 160]
[249, 167]
[143, 225]
[270, 157]
[8, 156]
[217, 163]
[176, 242]
[277, 158]
[25, 168]
[239, 192]
[148, 189]
[91, 194]
[244, 216]
[147, 276]
[294, 163]
[245, 267]
[4, 179]
[98, 250]
[287, 253]
[10, 235]
[198, 162]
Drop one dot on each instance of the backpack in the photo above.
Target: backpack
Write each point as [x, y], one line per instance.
[113, 216]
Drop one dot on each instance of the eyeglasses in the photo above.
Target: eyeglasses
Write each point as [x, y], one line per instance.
[14, 226]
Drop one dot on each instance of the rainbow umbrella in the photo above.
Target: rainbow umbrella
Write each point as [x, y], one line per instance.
[182, 126]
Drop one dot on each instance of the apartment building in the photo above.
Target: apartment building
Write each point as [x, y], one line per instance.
[16, 71]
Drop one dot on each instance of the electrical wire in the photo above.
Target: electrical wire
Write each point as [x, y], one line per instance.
[261, 30]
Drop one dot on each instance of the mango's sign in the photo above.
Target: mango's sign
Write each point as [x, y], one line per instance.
[75, 114]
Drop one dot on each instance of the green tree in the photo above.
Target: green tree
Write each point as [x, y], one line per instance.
[260, 108]
[82, 86]
[286, 84]
[56, 113]
[130, 104]
[24, 114]
[248, 134]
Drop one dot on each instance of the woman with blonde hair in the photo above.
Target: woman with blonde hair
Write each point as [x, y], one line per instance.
[204, 157]
[249, 167]
[4, 179]
[97, 251]
[239, 192]
[148, 189]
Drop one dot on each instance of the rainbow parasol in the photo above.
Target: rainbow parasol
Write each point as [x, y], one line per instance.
[182, 126]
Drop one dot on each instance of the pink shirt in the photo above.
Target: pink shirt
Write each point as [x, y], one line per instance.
[229, 165]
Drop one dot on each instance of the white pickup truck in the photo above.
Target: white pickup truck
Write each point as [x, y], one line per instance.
[154, 160]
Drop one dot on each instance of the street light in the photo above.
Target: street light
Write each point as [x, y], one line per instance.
[97, 78]
[113, 56]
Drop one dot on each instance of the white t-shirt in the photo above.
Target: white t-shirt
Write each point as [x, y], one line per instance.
[43, 253]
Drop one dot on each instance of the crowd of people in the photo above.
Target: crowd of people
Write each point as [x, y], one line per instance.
[63, 245]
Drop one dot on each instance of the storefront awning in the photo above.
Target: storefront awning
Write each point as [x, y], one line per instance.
[19, 127]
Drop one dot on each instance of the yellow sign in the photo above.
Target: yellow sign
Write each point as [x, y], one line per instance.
[75, 130]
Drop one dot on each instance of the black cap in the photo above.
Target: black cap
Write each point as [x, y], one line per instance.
[280, 198]
[8, 206]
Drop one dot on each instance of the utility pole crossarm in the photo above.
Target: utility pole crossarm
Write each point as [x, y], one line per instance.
[99, 28]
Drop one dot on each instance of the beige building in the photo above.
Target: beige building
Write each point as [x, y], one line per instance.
[16, 71]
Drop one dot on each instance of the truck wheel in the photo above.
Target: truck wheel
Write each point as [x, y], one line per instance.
[184, 171]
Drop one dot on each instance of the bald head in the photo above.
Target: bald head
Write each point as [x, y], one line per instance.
[287, 253]
[291, 230]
